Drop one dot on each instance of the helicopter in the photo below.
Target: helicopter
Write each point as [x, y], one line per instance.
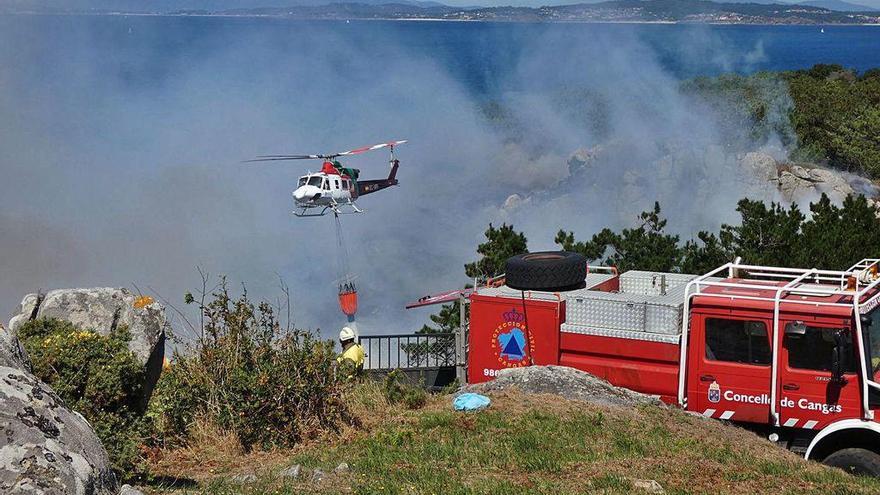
[336, 187]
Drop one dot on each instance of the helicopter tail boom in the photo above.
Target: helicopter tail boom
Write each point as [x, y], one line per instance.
[371, 186]
[394, 166]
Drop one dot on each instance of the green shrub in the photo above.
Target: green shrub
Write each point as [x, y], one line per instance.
[249, 376]
[98, 377]
[826, 114]
[397, 391]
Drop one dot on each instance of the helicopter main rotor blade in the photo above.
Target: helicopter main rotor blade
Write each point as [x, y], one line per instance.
[293, 157]
[358, 151]
[273, 159]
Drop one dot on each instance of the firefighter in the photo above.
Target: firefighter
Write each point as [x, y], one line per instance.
[351, 350]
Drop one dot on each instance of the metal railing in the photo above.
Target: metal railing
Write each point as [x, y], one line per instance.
[409, 351]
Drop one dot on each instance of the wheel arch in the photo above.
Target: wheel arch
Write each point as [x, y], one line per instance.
[844, 434]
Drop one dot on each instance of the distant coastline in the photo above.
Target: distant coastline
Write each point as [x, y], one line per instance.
[607, 12]
[429, 19]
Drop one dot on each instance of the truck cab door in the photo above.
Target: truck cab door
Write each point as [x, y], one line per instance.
[809, 397]
[730, 361]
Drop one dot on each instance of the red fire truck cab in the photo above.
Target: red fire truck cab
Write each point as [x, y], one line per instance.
[790, 352]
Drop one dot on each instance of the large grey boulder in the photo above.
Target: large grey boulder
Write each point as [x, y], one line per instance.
[832, 183]
[563, 381]
[12, 354]
[805, 181]
[799, 181]
[27, 311]
[46, 448]
[103, 310]
[761, 164]
[792, 185]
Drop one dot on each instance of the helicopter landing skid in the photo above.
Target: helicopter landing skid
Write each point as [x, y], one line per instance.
[336, 208]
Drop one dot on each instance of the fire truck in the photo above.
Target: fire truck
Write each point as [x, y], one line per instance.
[791, 353]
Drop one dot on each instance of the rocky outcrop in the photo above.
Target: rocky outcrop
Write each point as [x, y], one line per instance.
[103, 310]
[12, 354]
[583, 158]
[795, 180]
[798, 181]
[565, 382]
[46, 448]
[762, 165]
[27, 311]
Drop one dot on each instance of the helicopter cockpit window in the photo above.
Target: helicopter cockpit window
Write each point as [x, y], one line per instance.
[315, 180]
[303, 180]
[327, 184]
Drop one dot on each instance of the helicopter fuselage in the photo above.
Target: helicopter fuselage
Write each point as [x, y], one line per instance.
[322, 189]
[335, 187]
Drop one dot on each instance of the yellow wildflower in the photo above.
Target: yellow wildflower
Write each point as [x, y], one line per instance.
[143, 301]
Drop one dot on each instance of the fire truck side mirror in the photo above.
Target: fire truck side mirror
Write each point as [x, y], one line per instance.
[836, 374]
[837, 357]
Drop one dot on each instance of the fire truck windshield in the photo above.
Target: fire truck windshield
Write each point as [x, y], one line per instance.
[871, 329]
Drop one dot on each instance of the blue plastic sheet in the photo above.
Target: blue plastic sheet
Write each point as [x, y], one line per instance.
[470, 402]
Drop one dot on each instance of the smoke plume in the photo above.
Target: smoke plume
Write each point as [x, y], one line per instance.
[121, 141]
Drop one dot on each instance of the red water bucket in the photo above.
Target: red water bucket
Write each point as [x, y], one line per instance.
[348, 302]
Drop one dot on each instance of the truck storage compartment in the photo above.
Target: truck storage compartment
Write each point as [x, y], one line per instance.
[647, 307]
[630, 336]
[647, 366]
[508, 332]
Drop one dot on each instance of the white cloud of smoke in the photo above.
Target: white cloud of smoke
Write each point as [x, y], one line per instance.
[120, 150]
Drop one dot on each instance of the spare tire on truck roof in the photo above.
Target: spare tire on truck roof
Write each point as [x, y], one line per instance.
[552, 271]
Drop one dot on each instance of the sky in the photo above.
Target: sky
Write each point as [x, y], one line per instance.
[168, 5]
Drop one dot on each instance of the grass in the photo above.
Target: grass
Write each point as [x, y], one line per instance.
[521, 444]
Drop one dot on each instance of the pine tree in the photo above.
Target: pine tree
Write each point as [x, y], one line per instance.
[836, 237]
[646, 247]
[766, 235]
[501, 243]
[705, 255]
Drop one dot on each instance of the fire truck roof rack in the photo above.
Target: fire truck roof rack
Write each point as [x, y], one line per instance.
[858, 281]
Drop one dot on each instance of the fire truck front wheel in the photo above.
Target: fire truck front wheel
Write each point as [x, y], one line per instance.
[855, 461]
[548, 270]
